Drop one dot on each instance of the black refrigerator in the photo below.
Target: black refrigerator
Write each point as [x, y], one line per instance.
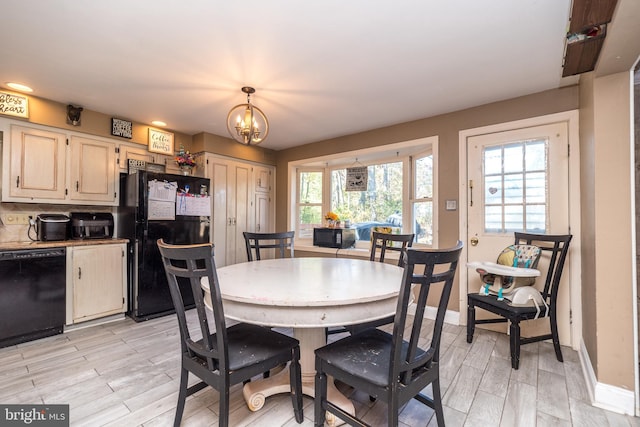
[152, 207]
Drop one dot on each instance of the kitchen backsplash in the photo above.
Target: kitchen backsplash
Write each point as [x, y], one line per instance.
[18, 232]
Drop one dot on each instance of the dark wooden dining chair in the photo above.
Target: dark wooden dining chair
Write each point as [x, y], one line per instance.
[392, 367]
[555, 249]
[232, 354]
[282, 242]
[380, 244]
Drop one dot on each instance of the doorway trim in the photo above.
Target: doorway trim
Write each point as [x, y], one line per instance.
[571, 118]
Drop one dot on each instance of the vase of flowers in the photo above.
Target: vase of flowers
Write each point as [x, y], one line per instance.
[332, 219]
[185, 161]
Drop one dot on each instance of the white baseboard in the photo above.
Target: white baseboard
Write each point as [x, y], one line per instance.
[602, 395]
[451, 317]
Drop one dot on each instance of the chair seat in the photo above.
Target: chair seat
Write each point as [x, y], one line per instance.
[366, 355]
[491, 303]
[251, 344]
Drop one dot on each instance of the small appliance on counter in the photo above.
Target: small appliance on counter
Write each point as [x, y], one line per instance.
[89, 225]
[339, 238]
[51, 227]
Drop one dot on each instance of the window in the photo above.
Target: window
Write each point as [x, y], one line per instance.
[401, 191]
[309, 202]
[515, 182]
[422, 199]
[380, 205]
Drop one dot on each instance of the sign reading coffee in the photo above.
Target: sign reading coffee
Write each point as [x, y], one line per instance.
[160, 142]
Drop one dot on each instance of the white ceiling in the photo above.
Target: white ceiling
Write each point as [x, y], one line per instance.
[321, 69]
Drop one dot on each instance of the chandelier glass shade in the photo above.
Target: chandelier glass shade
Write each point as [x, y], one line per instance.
[246, 123]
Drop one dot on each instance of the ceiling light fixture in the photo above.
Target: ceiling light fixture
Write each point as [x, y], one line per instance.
[158, 123]
[246, 123]
[19, 87]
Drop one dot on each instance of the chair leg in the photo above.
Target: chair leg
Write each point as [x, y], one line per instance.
[223, 412]
[182, 396]
[514, 331]
[392, 412]
[296, 386]
[320, 398]
[555, 337]
[471, 322]
[437, 402]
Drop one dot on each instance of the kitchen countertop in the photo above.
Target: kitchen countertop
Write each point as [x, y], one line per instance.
[9, 246]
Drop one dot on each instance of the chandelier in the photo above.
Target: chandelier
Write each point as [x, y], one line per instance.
[246, 123]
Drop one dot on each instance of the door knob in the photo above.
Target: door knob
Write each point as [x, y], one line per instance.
[474, 241]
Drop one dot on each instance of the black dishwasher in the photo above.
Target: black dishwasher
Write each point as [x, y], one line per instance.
[32, 294]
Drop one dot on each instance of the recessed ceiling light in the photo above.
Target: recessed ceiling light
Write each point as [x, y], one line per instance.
[19, 87]
[158, 123]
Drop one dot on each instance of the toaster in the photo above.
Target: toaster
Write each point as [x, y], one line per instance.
[89, 225]
[52, 227]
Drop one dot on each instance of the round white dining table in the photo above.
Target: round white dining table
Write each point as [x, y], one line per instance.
[308, 295]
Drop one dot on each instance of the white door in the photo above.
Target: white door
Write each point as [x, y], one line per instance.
[518, 181]
[232, 203]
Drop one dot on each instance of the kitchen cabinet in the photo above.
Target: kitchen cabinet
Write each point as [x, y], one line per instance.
[96, 281]
[45, 165]
[141, 153]
[262, 176]
[34, 165]
[92, 170]
[238, 205]
[126, 152]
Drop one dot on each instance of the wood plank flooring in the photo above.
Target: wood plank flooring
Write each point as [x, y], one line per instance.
[126, 374]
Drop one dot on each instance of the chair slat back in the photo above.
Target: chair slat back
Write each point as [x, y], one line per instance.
[423, 268]
[383, 242]
[283, 242]
[191, 263]
[556, 248]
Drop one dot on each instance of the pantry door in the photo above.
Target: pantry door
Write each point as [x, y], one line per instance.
[518, 180]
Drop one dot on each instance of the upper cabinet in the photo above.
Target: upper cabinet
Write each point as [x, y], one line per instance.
[92, 170]
[42, 165]
[36, 165]
[262, 176]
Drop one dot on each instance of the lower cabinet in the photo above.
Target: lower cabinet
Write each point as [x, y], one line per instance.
[96, 281]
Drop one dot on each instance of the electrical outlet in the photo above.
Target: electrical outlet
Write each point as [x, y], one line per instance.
[15, 219]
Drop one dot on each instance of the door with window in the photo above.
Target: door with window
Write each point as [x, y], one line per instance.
[518, 181]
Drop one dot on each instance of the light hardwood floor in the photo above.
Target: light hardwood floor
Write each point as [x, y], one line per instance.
[126, 374]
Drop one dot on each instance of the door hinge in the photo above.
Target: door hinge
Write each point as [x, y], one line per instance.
[568, 150]
[117, 150]
[571, 317]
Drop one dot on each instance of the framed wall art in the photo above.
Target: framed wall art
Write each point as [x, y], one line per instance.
[122, 128]
[160, 142]
[14, 105]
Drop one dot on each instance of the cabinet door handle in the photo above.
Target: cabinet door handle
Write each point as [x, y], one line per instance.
[18, 181]
[77, 185]
[79, 273]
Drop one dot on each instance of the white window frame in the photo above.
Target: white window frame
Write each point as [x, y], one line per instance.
[382, 154]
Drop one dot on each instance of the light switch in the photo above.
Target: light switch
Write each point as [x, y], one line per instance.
[451, 205]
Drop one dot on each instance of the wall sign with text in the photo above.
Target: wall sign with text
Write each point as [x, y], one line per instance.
[14, 105]
[357, 179]
[160, 142]
[121, 128]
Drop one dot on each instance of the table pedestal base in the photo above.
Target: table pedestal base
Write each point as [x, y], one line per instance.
[255, 392]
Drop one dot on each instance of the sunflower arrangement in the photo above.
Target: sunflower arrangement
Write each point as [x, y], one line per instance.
[331, 216]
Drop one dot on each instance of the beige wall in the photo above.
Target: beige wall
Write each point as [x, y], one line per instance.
[51, 113]
[607, 249]
[446, 127]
